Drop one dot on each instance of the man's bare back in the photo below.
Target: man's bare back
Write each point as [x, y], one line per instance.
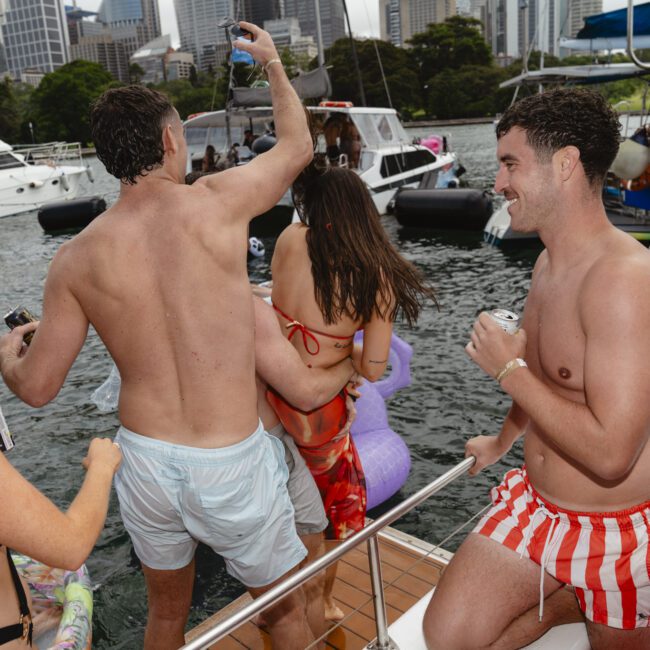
[187, 357]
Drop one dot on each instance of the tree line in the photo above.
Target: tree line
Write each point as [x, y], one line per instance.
[448, 71]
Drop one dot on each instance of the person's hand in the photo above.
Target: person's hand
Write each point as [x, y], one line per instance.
[12, 345]
[103, 452]
[491, 347]
[352, 387]
[487, 450]
[262, 48]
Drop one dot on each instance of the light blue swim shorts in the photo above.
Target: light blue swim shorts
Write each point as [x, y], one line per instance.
[233, 499]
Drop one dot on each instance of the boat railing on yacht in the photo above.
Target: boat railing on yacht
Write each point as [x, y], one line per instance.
[369, 535]
[50, 153]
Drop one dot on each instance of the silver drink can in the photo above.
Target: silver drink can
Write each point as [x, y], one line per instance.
[507, 320]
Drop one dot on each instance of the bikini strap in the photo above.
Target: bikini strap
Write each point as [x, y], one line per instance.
[25, 628]
[307, 332]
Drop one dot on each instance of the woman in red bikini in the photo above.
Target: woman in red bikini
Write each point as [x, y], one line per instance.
[335, 273]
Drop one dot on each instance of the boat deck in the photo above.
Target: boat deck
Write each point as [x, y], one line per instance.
[408, 574]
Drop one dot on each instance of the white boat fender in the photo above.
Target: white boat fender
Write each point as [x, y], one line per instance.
[255, 247]
[90, 173]
[36, 184]
[65, 183]
[633, 156]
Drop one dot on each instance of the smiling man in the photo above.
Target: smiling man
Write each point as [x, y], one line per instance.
[570, 528]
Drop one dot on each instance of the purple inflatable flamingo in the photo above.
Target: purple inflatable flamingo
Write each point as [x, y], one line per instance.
[384, 456]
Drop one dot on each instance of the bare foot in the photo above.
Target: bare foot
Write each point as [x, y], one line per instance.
[332, 611]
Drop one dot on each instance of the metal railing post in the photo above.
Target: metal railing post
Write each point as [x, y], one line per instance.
[630, 38]
[383, 641]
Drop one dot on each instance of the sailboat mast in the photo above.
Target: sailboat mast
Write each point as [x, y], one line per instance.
[355, 58]
[319, 35]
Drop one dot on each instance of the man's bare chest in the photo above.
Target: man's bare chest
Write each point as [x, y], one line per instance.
[556, 340]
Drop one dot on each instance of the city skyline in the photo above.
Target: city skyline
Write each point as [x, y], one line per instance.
[364, 16]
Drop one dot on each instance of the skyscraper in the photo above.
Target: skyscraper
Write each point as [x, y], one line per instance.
[400, 19]
[34, 35]
[257, 11]
[198, 31]
[331, 15]
[131, 22]
[130, 12]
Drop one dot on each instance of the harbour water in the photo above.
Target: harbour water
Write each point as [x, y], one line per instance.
[449, 400]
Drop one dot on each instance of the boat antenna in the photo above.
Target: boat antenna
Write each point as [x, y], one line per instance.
[381, 66]
[355, 58]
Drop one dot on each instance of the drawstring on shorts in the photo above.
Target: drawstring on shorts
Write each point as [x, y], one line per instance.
[545, 553]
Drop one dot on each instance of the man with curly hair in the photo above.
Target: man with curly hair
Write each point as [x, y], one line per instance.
[162, 278]
[567, 536]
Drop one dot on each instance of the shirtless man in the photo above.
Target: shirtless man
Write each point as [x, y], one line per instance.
[197, 465]
[577, 514]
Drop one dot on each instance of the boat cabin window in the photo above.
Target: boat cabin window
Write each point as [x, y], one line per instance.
[9, 161]
[402, 162]
[380, 129]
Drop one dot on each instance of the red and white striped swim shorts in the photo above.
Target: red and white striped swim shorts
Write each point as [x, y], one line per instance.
[605, 556]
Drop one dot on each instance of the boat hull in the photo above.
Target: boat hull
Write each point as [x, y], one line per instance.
[30, 187]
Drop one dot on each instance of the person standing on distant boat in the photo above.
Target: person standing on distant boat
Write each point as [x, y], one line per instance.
[569, 529]
[197, 464]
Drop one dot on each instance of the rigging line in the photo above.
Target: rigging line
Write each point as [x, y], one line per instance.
[381, 66]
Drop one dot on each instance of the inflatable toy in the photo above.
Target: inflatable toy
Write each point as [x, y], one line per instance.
[68, 594]
[384, 455]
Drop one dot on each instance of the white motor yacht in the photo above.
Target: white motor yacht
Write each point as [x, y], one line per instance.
[33, 175]
[389, 160]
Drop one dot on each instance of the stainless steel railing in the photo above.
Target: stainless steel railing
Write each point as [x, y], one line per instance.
[369, 533]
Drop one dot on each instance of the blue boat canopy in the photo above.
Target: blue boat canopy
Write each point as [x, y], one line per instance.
[614, 23]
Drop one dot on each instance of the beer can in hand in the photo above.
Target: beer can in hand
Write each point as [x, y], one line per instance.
[20, 316]
[507, 320]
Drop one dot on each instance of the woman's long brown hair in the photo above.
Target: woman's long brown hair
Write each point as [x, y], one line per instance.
[356, 269]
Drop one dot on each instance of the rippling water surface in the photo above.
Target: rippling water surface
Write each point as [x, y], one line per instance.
[449, 400]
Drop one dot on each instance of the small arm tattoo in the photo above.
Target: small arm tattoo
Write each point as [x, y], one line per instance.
[371, 361]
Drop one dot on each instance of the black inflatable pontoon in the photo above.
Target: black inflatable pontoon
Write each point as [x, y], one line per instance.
[457, 209]
[74, 214]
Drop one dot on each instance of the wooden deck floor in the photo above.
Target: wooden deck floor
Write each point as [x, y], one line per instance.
[407, 577]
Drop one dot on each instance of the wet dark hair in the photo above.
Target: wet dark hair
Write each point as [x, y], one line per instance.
[568, 117]
[127, 126]
[354, 265]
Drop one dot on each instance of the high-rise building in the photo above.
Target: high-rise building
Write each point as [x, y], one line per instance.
[399, 20]
[331, 16]
[102, 49]
[34, 35]
[515, 27]
[578, 11]
[257, 11]
[131, 22]
[132, 12]
[198, 31]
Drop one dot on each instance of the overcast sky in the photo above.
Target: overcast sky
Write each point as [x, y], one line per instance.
[364, 16]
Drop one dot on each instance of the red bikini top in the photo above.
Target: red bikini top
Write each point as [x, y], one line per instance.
[307, 332]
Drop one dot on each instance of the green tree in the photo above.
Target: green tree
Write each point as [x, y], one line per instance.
[61, 103]
[135, 73]
[9, 112]
[401, 79]
[188, 99]
[470, 91]
[450, 45]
